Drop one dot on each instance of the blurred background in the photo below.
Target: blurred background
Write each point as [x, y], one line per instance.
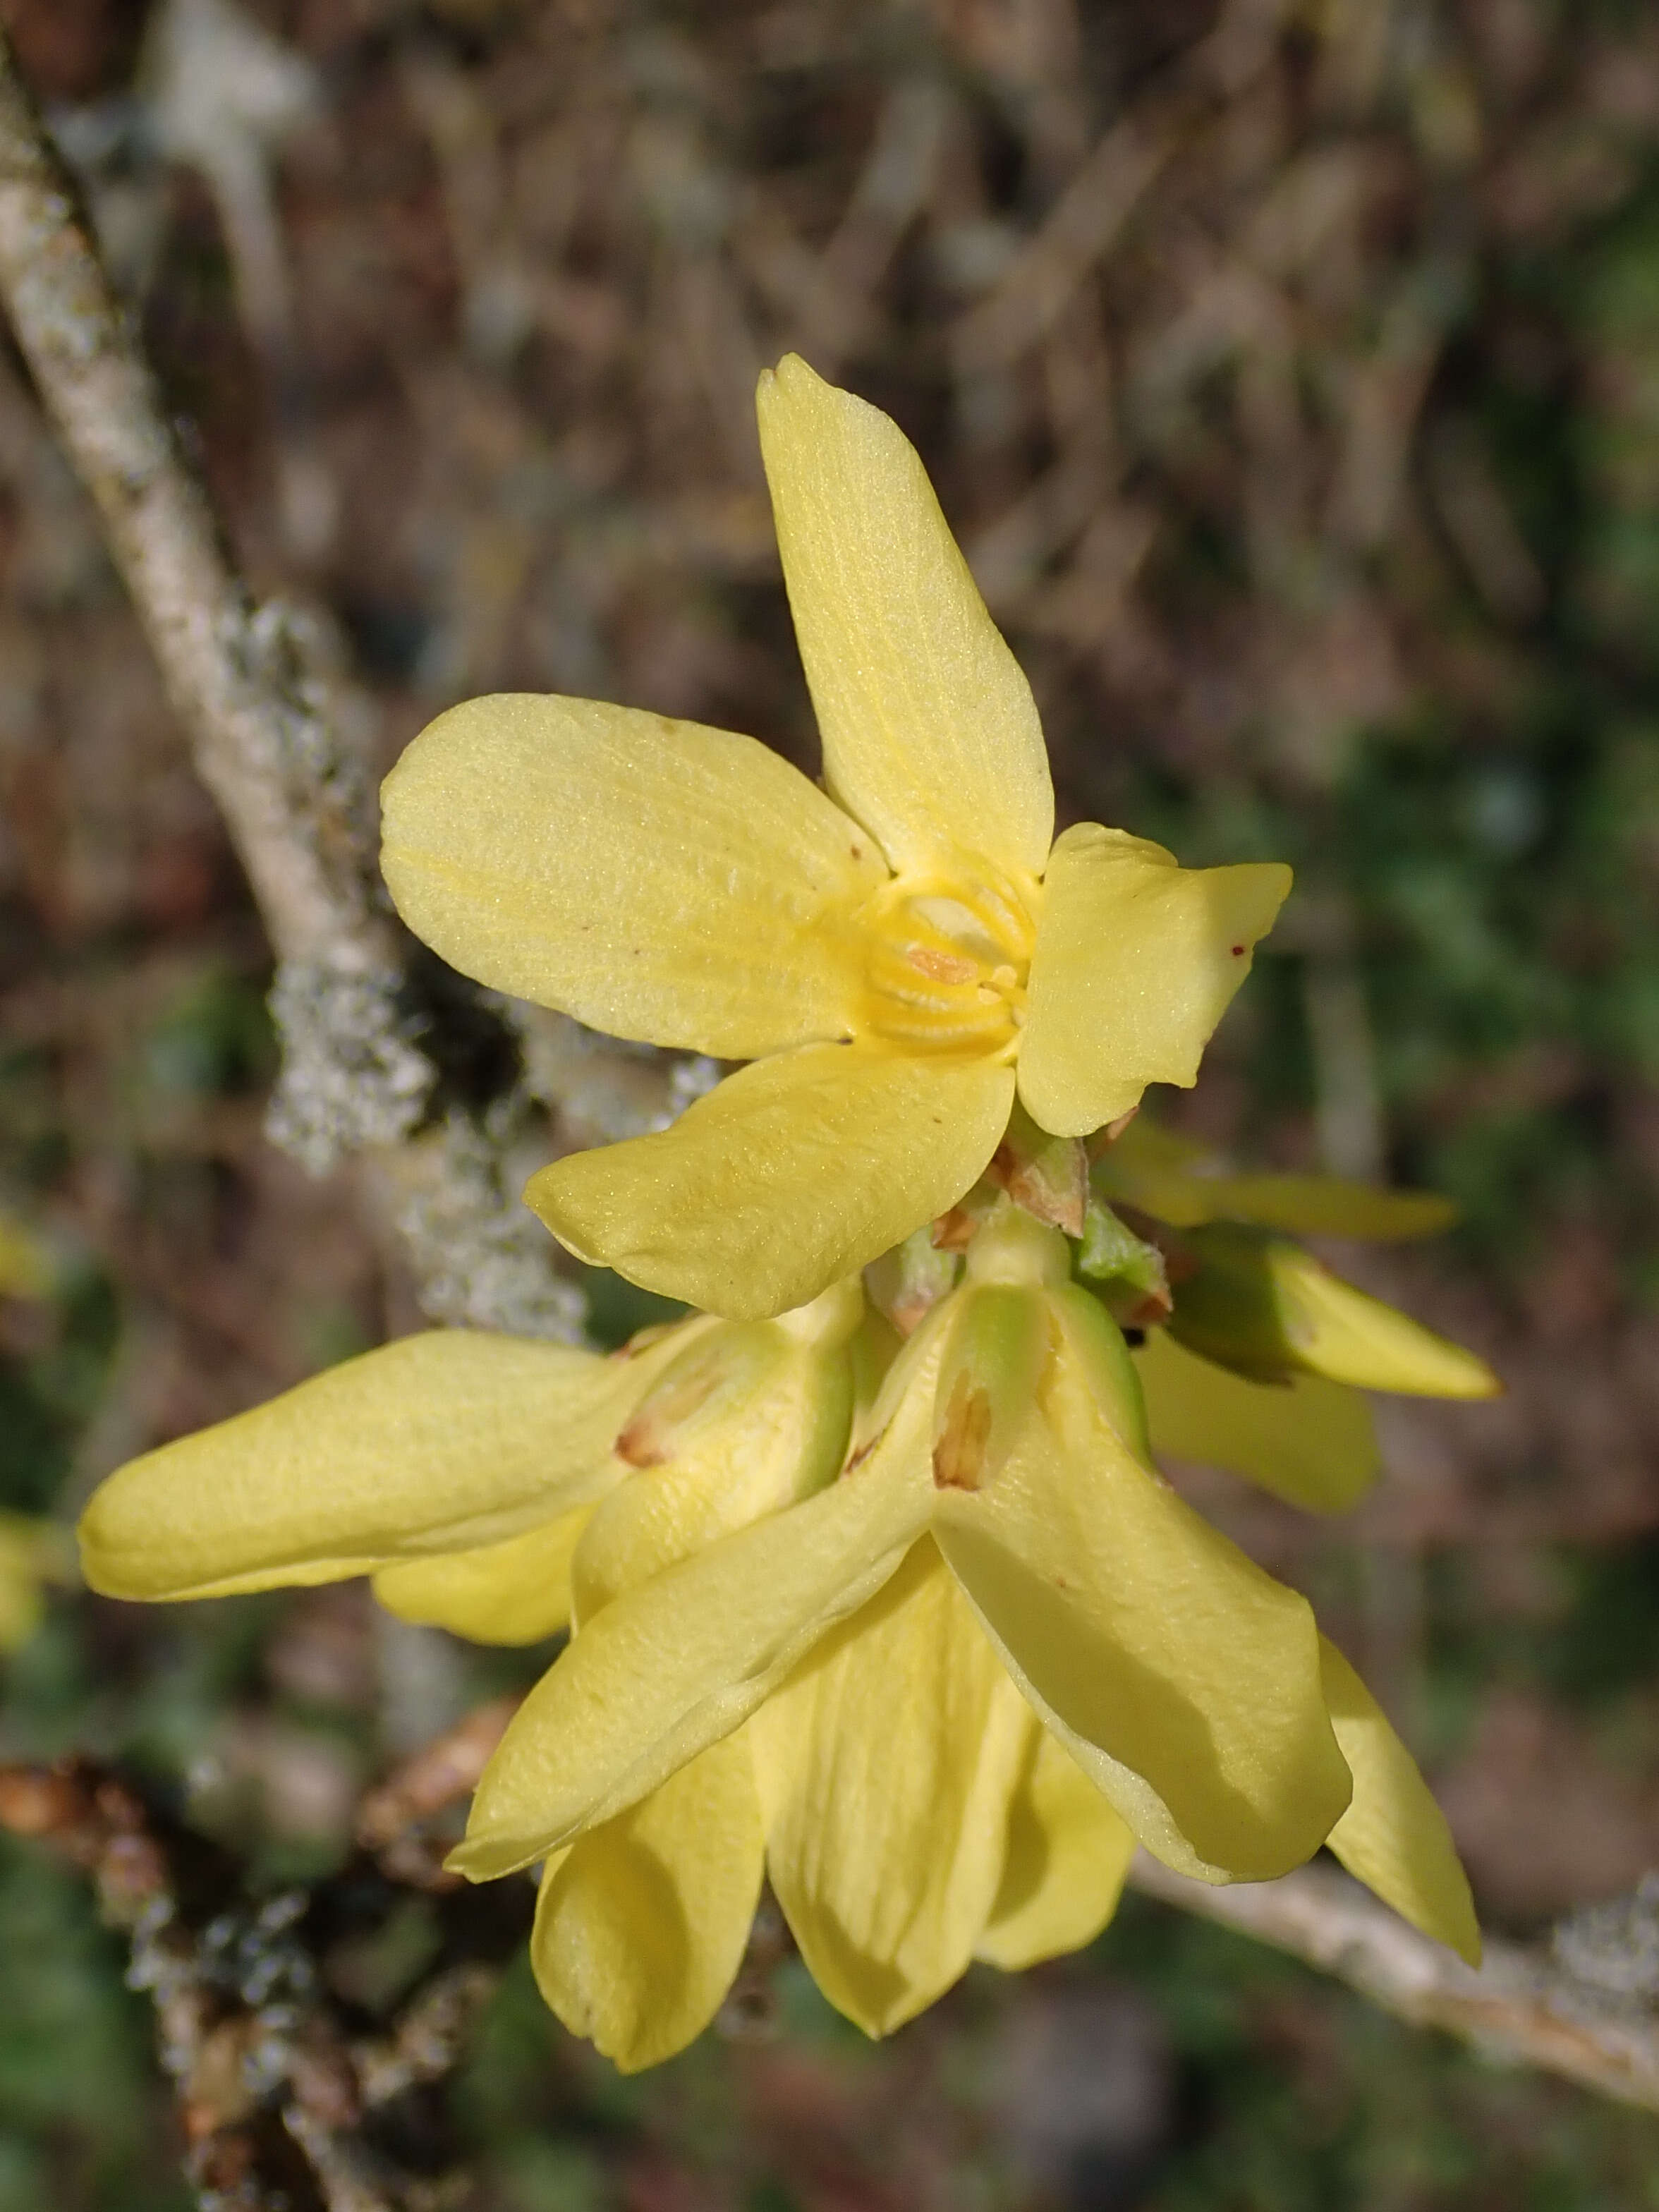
[1290, 372]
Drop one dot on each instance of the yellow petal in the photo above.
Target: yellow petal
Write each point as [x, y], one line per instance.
[1394, 1836]
[25, 1269]
[642, 1924]
[885, 1765]
[673, 1665]
[1305, 1206]
[1264, 1306]
[1152, 1646]
[792, 1174]
[1310, 1442]
[25, 1555]
[1136, 961]
[775, 1434]
[1068, 1853]
[655, 878]
[931, 736]
[515, 1592]
[438, 1443]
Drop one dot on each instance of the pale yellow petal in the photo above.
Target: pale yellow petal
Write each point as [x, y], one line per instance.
[1263, 1305]
[438, 1443]
[1068, 1853]
[643, 1923]
[514, 1592]
[1152, 1646]
[26, 1269]
[772, 1430]
[885, 1764]
[27, 1557]
[654, 878]
[1394, 1836]
[1305, 1206]
[1137, 959]
[1310, 1442]
[790, 1175]
[667, 1669]
[931, 736]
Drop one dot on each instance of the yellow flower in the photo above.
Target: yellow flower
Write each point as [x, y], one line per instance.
[895, 954]
[940, 1696]
[25, 1262]
[1264, 1353]
[926, 1642]
[32, 1554]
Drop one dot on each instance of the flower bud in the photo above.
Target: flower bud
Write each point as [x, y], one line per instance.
[753, 1416]
[1264, 1307]
[1128, 1275]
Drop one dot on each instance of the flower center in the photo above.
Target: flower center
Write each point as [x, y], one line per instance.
[947, 953]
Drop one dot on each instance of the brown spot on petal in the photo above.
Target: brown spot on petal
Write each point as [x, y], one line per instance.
[954, 1232]
[959, 1454]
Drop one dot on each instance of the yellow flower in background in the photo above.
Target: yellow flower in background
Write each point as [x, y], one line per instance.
[1264, 1352]
[33, 1554]
[896, 954]
[25, 1263]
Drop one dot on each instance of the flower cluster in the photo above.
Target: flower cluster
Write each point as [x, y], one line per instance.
[874, 1585]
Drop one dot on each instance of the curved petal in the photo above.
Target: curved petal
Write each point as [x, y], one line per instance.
[931, 736]
[1068, 1853]
[1310, 1442]
[885, 1767]
[515, 1592]
[438, 1443]
[654, 878]
[1136, 961]
[1266, 1308]
[1152, 1646]
[1394, 1836]
[641, 1925]
[777, 1439]
[1305, 1206]
[673, 1665]
[790, 1175]
[1341, 1331]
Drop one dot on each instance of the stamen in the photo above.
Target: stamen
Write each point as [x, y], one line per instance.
[969, 934]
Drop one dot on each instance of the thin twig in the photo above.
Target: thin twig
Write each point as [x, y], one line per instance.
[1522, 2005]
[294, 2090]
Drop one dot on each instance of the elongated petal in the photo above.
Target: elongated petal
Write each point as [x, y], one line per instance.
[669, 1667]
[515, 1592]
[931, 736]
[778, 1437]
[24, 1549]
[790, 1175]
[1310, 1442]
[1137, 959]
[1153, 1647]
[1344, 1333]
[885, 1765]
[655, 878]
[1305, 1206]
[1266, 1308]
[641, 1925]
[1068, 1852]
[1394, 1836]
[438, 1443]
